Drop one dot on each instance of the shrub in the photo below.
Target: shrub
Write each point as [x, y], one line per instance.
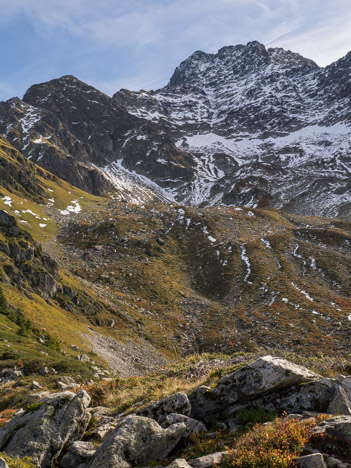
[17, 462]
[272, 445]
[202, 445]
[256, 415]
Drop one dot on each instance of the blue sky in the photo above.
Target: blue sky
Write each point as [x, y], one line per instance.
[134, 44]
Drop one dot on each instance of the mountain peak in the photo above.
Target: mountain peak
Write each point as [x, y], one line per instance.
[63, 90]
[286, 57]
[235, 60]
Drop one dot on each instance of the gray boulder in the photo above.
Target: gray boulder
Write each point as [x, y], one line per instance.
[104, 423]
[78, 453]
[36, 385]
[3, 464]
[83, 358]
[266, 375]
[340, 403]
[315, 460]
[208, 461]
[345, 382]
[9, 375]
[43, 430]
[338, 427]
[333, 436]
[36, 396]
[205, 404]
[137, 441]
[313, 396]
[193, 426]
[179, 463]
[176, 403]
[100, 432]
[333, 462]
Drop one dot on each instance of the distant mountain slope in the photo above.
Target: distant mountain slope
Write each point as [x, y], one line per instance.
[73, 130]
[48, 305]
[267, 128]
[139, 284]
[247, 126]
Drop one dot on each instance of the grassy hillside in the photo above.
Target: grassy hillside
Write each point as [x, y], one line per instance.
[220, 278]
[174, 280]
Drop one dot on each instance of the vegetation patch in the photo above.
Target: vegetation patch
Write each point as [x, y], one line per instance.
[17, 462]
[277, 444]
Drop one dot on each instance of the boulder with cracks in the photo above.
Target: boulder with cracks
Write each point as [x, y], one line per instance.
[43, 430]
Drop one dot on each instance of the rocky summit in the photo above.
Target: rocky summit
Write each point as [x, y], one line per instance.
[247, 126]
[175, 268]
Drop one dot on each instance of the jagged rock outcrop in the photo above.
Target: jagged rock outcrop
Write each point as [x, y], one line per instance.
[28, 263]
[44, 429]
[265, 126]
[137, 441]
[73, 130]
[334, 436]
[340, 403]
[18, 174]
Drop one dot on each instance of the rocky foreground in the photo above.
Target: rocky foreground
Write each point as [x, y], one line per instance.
[61, 429]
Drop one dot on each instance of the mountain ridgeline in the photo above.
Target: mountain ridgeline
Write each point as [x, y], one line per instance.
[250, 126]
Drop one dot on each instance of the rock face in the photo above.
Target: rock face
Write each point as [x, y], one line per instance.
[245, 126]
[78, 453]
[314, 460]
[340, 403]
[46, 427]
[27, 262]
[176, 403]
[192, 425]
[137, 441]
[74, 131]
[334, 435]
[262, 125]
[266, 375]
[3, 464]
[313, 396]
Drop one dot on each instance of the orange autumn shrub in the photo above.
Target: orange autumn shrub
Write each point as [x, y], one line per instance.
[272, 445]
[6, 415]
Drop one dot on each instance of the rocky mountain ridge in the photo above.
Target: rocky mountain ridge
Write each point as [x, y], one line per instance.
[267, 127]
[247, 126]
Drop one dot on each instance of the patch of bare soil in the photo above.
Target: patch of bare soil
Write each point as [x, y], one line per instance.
[129, 358]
